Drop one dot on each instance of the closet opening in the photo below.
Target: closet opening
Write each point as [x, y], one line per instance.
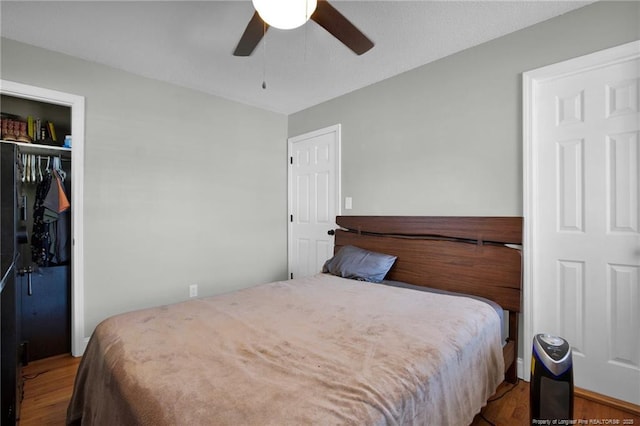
[44, 275]
[43, 210]
[31, 115]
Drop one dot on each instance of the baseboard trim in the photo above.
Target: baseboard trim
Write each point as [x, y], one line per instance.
[607, 400]
[520, 368]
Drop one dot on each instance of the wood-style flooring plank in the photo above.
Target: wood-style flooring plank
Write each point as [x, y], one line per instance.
[47, 390]
[510, 406]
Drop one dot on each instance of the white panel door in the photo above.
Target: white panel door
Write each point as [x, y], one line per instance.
[586, 266]
[314, 199]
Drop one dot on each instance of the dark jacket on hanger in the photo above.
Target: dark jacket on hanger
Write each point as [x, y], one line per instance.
[50, 237]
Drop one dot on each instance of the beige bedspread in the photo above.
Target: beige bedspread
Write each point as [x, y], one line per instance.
[318, 350]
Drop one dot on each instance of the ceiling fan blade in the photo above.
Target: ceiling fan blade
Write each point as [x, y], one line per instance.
[256, 28]
[341, 28]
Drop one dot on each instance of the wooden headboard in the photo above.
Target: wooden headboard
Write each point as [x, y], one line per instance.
[462, 254]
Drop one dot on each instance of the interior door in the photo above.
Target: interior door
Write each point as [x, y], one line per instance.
[10, 351]
[587, 216]
[314, 199]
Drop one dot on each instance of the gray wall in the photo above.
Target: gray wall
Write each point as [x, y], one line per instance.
[180, 187]
[174, 178]
[446, 138]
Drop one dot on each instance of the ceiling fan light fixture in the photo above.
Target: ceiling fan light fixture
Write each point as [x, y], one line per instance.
[285, 14]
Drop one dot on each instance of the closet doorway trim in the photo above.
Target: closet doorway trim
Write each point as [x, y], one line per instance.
[76, 103]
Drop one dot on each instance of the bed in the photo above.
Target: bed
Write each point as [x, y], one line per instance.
[323, 349]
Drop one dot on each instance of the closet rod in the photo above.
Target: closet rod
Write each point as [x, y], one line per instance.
[43, 150]
[44, 157]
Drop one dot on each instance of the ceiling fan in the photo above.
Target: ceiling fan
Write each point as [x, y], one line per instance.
[327, 16]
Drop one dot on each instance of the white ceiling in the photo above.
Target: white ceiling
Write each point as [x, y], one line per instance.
[190, 43]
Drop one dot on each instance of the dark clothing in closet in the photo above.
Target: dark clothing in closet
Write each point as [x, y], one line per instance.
[51, 221]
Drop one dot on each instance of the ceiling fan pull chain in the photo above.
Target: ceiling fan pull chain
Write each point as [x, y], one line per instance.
[264, 62]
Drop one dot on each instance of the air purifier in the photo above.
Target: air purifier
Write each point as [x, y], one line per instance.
[551, 391]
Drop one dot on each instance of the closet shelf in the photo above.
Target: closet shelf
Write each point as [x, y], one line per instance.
[30, 148]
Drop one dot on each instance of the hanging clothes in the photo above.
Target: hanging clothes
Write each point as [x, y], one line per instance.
[50, 236]
[62, 246]
[63, 201]
[40, 238]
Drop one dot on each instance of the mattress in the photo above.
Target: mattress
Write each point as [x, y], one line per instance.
[499, 311]
[315, 350]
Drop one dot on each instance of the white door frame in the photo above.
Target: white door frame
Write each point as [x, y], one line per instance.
[76, 103]
[337, 129]
[530, 85]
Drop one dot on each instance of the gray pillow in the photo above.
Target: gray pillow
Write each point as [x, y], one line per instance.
[359, 264]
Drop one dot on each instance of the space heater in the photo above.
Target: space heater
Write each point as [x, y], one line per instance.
[551, 391]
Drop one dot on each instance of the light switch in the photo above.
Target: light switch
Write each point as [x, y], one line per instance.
[347, 203]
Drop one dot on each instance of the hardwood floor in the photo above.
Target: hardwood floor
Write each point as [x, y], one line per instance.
[47, 390]
[513, 409]
[49, 384]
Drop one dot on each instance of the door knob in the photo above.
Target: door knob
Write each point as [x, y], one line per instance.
[331, 232]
